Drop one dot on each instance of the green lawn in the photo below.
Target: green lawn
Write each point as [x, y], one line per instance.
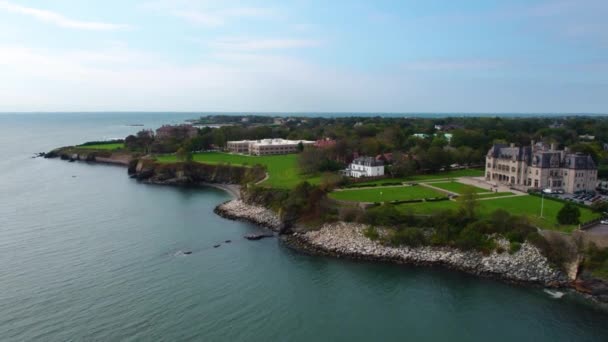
[109, 146]
[385, 194]
[520, 205]
[282, 169]
[432, 176]
[495, 194]
[457, 187]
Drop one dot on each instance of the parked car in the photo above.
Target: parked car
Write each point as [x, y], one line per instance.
[604, 221]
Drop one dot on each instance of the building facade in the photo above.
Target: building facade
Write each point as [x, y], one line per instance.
[266, 146]
[365, 167]
[179, 132]
[540, 166]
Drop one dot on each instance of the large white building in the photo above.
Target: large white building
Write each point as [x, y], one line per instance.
[266, 146]
[365, 167]
[540, 166]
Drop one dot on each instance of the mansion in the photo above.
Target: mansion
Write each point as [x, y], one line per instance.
[365, 167]
[540, 166]
[265, 147]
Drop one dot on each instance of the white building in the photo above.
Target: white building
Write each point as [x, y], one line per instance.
[266, 146]
[365, 167]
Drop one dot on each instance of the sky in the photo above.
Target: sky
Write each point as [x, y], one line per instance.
[432, 56]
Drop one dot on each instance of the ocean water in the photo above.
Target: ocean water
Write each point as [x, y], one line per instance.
[88, 254]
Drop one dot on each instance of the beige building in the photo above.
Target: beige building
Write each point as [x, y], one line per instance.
[539, 166]
[266, 146]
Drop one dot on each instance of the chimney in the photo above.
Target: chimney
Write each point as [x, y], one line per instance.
[532, 143]
[512, 145]
[552, 146]
[566, 149]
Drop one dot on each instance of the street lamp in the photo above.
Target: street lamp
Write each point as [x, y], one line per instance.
[542, 201]
[542, 204]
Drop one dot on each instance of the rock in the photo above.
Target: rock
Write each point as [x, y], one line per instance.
[216, 246]
[347, 240]
[258, 236]
[187, 252]
[228, 241]
[51, 154]
[239, 210]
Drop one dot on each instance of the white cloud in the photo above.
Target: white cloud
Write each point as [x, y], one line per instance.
[58, 19]
[253, 44]
[453, 65]
[216, 18]
[130, 80]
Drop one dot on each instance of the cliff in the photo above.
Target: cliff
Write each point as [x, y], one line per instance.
[150, 171]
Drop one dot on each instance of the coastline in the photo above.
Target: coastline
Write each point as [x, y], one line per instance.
[346, 240]
[512, 271]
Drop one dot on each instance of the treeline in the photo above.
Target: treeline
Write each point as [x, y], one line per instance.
[416, 143]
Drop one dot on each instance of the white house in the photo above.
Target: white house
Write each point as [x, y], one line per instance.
[365, 167]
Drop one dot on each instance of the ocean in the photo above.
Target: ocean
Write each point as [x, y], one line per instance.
[88, 254]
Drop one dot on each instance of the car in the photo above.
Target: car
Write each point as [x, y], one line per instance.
[604, 221]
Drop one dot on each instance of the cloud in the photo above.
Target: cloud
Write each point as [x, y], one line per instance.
[453, 65]
[219, 17]
[58, 19]
[248, 44]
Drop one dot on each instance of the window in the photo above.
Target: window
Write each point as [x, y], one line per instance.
[536, 172]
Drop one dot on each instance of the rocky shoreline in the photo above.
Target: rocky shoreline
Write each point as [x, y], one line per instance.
[346, 240]
[238, 210]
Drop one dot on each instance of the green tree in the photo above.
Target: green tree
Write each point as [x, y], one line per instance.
[468, 204]
[184, 154]
[569, 214]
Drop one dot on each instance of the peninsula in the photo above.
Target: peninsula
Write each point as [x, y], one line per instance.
[514, 199]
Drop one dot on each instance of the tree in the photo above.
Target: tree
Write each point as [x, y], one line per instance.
[599, 206]
[300, 147]
[569, 214]
[468, 204]
[184, 154]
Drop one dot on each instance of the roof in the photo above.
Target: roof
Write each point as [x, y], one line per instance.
[272, 142]
[579, 161]
[543, 158]
[368, 161]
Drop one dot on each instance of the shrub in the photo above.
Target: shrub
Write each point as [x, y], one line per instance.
[412, 237]
[557, 252]
[383, 215]
[514, 247]
[569, 214]
[471, 238]
[371, 233]
[350, 214]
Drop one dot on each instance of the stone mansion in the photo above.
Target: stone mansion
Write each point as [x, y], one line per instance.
[540, 166]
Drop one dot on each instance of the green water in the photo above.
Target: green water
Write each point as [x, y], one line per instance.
[88, 254]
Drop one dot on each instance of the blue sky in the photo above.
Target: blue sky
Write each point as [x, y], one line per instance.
[304, 55]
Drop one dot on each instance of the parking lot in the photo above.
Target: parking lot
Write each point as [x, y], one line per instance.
[584, 198]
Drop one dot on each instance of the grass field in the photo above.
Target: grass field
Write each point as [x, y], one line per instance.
[283, 170]
[457, 187]
[520, 205]
[396, 193]
[433, 176]
[495, 194]
[109, 147]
